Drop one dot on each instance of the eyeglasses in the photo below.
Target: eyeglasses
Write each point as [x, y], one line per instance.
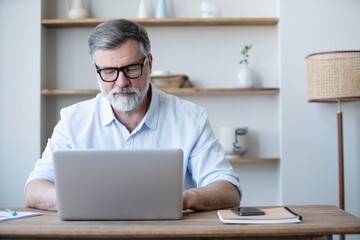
[130, 71]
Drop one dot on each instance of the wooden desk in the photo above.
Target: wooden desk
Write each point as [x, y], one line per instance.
[319, 222]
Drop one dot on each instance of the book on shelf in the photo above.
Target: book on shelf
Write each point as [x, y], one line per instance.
[273, 215]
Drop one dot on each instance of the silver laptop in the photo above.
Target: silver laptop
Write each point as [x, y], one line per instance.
[119, 184]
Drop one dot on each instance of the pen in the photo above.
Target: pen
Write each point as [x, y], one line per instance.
[13, 213]
[300, 217]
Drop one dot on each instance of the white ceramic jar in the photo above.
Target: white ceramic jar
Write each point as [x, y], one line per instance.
[245, 77]
[76, 9]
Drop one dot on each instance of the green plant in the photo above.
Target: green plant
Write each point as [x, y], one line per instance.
[245, 54]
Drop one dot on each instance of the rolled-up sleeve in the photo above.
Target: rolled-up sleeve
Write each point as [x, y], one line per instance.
[44, 167]
[207, 159]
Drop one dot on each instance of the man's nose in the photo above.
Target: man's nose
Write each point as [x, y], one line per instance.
[122, 80]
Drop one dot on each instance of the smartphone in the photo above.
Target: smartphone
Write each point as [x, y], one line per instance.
[248, 211]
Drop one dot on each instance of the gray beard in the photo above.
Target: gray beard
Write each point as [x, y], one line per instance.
[125, 104]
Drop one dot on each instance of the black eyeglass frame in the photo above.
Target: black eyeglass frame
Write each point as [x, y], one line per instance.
[121, 69]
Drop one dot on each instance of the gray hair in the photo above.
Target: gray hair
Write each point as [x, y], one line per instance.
[112, 34]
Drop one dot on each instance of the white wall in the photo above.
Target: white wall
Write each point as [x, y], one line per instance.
[19, 96]
[309, 130]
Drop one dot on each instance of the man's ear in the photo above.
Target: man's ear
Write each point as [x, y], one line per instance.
[150, 60]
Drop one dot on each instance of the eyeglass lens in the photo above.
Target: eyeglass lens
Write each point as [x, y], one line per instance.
[131, 71]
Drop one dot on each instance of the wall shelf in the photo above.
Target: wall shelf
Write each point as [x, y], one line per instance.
[190, 91]
[254, 160]
[155, 22]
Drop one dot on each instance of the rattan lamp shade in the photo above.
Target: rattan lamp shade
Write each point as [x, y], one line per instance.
[333, 76]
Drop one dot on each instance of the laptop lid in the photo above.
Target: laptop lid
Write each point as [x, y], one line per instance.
[119, 184]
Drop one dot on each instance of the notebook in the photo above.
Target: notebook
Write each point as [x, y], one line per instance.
[119, 184]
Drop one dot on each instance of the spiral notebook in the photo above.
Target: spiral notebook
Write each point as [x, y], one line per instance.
[275, 215]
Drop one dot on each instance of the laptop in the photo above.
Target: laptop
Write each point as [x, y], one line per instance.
[119, 184]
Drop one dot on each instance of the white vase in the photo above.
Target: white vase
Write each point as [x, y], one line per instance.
[161, 9]
[76, 9]
[245, 77]
[142, 12]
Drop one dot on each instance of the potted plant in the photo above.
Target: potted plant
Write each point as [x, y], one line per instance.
[245, 54]
[245, 76]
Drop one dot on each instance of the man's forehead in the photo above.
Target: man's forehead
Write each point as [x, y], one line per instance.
[122, 56]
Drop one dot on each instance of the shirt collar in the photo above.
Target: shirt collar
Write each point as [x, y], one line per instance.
[106, 112]
[151, 117]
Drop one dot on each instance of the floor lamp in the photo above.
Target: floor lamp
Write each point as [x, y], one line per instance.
[334, 77]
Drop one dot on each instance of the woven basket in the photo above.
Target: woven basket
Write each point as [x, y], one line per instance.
[169, 81]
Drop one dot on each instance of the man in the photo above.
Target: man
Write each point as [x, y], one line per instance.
[130, 113]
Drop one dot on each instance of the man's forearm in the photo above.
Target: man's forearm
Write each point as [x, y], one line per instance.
[220, 194]
[40, 194]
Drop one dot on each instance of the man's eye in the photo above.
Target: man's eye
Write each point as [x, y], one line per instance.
[108, 70]
[132, 68]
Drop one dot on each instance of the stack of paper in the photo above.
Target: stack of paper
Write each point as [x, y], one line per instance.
[6, 215]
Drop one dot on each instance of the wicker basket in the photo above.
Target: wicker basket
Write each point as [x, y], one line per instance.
[169, 81]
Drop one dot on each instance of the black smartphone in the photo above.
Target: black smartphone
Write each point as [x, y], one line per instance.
[248, 211]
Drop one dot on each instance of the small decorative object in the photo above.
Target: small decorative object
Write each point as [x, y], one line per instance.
[208, 9]
[142, 12]
[169, 80]
[245, 75]
[245, 54]
[76, 9]
[234, 140]
[161, 9]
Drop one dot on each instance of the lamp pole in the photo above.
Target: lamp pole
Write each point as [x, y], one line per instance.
[341, 160]
[341, 157]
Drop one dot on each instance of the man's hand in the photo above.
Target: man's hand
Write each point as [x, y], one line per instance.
[41, 194]
[186, 200]
[220, 194]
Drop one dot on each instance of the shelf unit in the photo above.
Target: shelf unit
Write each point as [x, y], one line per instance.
[254, 160]
[165, 22]
[59, 92]
[169, 22]
[173, 22]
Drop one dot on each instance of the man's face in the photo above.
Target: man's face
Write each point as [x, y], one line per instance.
[124, 94]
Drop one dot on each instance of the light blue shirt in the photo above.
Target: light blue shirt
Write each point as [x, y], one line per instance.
[169, 123]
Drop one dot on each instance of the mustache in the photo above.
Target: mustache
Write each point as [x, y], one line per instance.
[124, 90]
